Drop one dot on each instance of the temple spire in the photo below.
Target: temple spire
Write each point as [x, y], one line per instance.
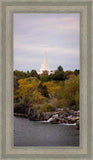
[44, 66]
[45, 53]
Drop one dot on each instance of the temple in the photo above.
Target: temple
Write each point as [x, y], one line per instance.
[44, 66]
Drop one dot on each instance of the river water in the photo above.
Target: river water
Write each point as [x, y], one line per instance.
[35, 133]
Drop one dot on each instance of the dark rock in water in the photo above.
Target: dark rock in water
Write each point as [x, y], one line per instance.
[20, 108]
[47, 115]
[39, 116]
[32, 115]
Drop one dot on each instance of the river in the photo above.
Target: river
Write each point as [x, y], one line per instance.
[36, 133]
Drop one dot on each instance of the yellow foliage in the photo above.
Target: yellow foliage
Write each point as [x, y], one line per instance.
[29, 90]
[52, 87]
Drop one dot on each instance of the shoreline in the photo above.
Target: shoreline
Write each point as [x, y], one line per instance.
[61, 116]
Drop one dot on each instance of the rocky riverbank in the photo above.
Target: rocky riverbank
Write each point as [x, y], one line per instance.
[67, 115]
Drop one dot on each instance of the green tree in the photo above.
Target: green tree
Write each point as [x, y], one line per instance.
[45, 72]
[60, 68]
[68, 94]
[34, 73]
[19, 74]
[72, 89]
[51, 76]
[43, 90]
[59, 75]
[28, 74]
[76, 72]
[44, 78]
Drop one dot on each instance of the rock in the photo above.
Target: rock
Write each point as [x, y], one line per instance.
[21, 115]
[66, 115]
[77, 124]
[63, 120]
[60, 116]
[66, 121]
[54, 120]
[20, 109]
[36, 116]
[74, 119]
[47, 115]
[67, 110]
[32, 115]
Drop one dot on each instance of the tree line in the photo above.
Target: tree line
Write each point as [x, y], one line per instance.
[47, 92]
[59, 74]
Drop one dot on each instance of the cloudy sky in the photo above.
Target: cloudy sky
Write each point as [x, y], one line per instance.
[57, 34]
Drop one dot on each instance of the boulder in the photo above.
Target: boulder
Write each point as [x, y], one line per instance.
[54, 120]
[77, 124]
[47, 115]
[20, 109]
[74, 119]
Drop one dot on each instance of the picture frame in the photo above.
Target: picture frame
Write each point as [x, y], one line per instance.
[7, 9]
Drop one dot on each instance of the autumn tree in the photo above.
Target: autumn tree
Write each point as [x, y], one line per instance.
[67, 74]
[72, 90]
[68, 94]
[52, 87]
[28, 91]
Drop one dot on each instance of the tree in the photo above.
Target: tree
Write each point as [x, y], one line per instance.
[34, 73]
[43, 90]
[59, 75]
[28, 74]
[67, 74]
[19, 74]
[15, 83]
[45, 72]
[60, 68]
[51, 76]
[28, 92]
[72, 90]
[68, 94]
[76, 72]
[52, 87]
[44, 78]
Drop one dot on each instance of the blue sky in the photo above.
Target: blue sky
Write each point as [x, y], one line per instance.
[57, 34]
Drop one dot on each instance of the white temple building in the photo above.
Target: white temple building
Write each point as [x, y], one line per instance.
[45, 66]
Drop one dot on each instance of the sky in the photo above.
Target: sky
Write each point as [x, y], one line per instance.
[57, 34]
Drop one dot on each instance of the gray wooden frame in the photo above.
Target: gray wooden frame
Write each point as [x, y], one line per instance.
[7, 9]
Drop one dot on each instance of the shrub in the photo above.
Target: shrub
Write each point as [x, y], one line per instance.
[47, 108]
[54, 102]
[62, 103]
[44, 78]
[77, 107]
